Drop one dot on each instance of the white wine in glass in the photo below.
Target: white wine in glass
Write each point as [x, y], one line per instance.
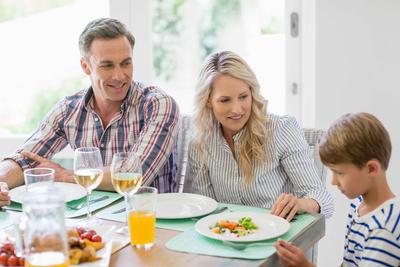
[88, 178]
[126, 176]
[126, 172]
[126, 182]
[88, 173]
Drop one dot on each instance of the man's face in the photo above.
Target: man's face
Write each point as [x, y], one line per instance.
[109, 65]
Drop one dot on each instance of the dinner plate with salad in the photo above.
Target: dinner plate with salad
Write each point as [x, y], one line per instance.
[242, 226]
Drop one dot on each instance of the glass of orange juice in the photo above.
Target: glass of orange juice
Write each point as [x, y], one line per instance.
[141, 216]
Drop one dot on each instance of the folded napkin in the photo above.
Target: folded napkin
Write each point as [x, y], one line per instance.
[71, 213]
[192, 242]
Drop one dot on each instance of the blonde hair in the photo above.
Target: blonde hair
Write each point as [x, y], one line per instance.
[355, 139]
[252, 143]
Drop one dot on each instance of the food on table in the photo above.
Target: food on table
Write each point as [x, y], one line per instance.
[243, 227]
[83, 245]
[8, 257]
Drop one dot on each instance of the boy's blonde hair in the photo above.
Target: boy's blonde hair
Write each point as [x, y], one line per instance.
[252, 143]
[356, 138]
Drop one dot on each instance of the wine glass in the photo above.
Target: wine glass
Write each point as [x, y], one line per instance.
[88, 173]
[126, 176]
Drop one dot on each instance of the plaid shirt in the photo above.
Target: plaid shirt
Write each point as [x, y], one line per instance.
[146, 123]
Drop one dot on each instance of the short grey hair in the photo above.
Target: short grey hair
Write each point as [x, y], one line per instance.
[103, 28]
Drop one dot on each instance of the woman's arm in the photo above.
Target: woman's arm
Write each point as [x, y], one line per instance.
[309, 193]
[199, 174]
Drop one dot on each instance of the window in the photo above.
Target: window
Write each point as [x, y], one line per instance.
[184, 32]
[40, 57]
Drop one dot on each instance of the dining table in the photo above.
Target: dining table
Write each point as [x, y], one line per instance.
[161, 255]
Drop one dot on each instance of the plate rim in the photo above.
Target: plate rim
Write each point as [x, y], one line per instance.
[244, 213]
[55, 184]
[173, 194]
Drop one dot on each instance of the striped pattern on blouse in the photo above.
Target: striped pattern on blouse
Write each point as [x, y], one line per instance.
[290, 169]
[146, 123]
[374, 238]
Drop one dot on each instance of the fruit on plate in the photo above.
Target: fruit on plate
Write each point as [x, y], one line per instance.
[83, 244]
[8, 257]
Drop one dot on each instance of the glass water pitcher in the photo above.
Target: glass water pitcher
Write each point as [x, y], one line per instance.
[41, 232]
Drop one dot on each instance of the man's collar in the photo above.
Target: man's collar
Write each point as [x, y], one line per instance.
[89, 97]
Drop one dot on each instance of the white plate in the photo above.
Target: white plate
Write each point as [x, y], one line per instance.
[71, 191]
[269, 226]
[183, 205]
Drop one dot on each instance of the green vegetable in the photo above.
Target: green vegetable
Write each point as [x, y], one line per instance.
[247, 223]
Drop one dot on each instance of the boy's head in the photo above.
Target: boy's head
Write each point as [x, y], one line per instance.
[355, 139]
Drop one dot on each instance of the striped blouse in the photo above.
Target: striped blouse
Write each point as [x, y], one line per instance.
[374, 238]
[290, 169]
[146, 123]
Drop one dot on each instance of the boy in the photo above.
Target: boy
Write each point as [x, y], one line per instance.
[357, 149]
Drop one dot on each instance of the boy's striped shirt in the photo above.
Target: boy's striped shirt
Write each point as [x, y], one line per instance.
[374, 238]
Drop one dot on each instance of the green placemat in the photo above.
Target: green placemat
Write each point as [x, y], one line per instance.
[5, 219]
[175, 224]
[192, 242]
[170, 224]
[185, 224]
[112, 197]
[107, 213]
[71, 213]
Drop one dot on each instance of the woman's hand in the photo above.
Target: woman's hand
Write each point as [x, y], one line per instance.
[291, 256]
[61, 174]
[286, 206]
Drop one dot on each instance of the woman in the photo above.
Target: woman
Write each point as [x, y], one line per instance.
[242, 155]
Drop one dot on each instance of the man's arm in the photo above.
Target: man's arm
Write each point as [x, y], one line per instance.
[11, 173]
[64, 175]
[10, 176]
[158, 136]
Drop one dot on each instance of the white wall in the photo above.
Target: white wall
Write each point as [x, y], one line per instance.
[357, 68]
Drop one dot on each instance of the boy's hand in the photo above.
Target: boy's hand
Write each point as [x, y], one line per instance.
[4, 197]
[291, 256]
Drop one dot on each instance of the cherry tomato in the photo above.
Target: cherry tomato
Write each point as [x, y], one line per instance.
[3, 258]
[21, 261]
[80, 230]
[9, 247]
[96, 238]
[93, 232]
[12, 261]
[87, 235]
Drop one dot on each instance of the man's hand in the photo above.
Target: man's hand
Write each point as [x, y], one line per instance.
[4, 197]
[61, 174]
[291, 256]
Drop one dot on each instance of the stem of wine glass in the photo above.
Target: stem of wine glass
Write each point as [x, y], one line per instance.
[126, 207]
[88, 198]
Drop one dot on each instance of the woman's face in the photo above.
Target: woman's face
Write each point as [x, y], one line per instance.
[230, 101]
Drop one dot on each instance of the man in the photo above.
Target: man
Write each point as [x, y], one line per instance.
[115, 114]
